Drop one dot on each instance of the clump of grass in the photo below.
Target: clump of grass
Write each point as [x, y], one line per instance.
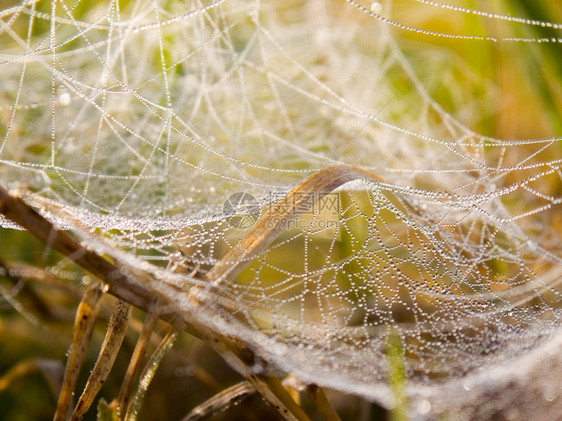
[52, 309]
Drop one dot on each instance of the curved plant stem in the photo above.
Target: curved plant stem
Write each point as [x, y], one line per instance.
[276, 218]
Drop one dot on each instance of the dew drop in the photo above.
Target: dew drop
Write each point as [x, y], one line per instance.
[376, 7]
[424, 406]
[64, 99]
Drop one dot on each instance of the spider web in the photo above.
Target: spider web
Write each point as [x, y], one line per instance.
[140, 120]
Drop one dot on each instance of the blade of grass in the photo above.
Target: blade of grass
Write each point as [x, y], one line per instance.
[83, 327]
[397, 377]
[116, 330]
[124, 397]
[221, 401]
[323, 405]
[149, 371]
[294, 386]
[107, 411]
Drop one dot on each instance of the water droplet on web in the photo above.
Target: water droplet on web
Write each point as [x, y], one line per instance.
[424, 406]
[64, 98]
[376, 7]
[279, 349]
[257, 368]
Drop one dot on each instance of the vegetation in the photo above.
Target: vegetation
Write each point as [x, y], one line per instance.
[80, 339]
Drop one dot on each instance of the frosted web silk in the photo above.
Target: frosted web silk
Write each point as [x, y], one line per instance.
[172, 129]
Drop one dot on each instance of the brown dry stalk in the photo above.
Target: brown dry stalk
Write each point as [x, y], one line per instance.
[322, 403]
[275, 220]
[110, 347]
[119, 284]
[124, 393]
[83, 328]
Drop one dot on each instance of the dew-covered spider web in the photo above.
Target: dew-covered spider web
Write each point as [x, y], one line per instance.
[168, 129]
